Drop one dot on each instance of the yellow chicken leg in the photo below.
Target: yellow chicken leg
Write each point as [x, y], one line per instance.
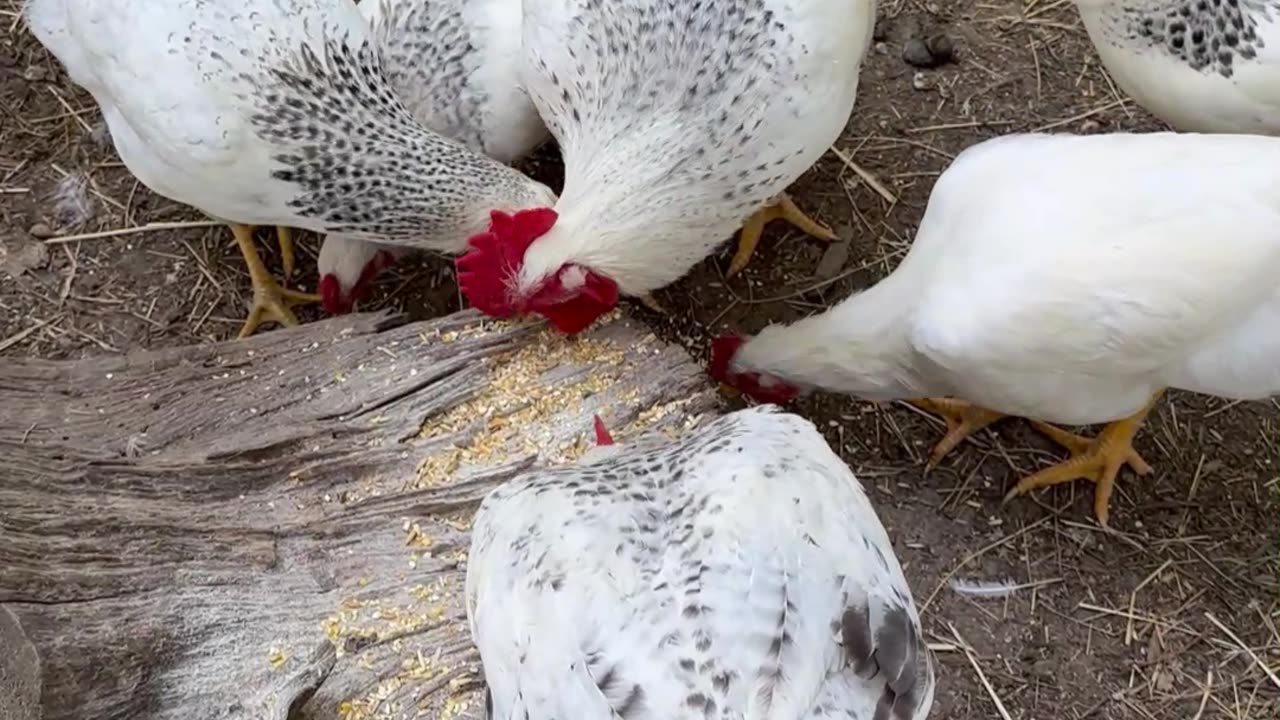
[270, 301]
[963, 419]
[1095, 459]
[284, 236]
[781, 208]
[649, 301]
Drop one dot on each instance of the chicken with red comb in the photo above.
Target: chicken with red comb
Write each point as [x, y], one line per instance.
[348, 268]
[759, 386]
[449, 63]
[679, 123]
[1078, 299]
[571, 300]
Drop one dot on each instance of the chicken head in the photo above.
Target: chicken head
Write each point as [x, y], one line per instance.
[347, 269]
[570, 299]
[761, 387]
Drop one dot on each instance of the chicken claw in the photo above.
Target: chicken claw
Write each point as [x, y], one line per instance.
[271, 303]
[963, 419]
[284, 236]
[1097, 460]
[781, 208]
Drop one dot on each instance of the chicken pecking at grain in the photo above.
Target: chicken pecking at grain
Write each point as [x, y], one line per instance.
[740, 571]
[455, 65]
[677, 121]
[1132, 264]
[272, 112]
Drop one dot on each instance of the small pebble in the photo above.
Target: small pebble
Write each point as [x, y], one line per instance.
[41, 231]
[931, 53]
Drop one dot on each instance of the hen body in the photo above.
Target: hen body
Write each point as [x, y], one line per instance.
[740, 572]
[1133, 264]
[677, 120]
[277, 113]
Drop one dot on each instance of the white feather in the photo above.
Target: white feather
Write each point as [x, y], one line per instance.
[985, 589]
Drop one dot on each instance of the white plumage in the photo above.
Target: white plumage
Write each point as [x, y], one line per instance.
[1200, 66]
[739, 572]
[1130, 264]
[677, 121]
[271, 112]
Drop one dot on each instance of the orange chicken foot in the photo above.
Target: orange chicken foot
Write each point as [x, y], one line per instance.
[781, 208]
[270, 301]
[1097, 459]
[963, 419]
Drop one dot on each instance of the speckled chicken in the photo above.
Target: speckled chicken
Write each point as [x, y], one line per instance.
[455, 65]
[739, 572]
[678, 121]
[272, 112]
[1199, 65]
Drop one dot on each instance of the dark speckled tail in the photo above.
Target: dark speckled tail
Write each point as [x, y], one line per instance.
[895, 650]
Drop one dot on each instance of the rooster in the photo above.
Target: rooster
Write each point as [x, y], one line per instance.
[677, 120]
[738, 572]
[1133, 264]
[454, 64]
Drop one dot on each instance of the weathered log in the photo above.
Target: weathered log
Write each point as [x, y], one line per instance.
[276, 528]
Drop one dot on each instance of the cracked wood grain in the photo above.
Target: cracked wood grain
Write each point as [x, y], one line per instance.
[237, 530]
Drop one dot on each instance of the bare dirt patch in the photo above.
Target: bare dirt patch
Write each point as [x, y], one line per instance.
[1172, 615]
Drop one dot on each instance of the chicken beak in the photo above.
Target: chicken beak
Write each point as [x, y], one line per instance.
[729, 390]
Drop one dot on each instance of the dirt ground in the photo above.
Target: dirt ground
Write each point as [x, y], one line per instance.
[1171, 615]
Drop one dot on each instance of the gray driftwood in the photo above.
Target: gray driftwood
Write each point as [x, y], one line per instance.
[239, 530]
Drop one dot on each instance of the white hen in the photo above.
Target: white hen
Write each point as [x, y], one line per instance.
[271, 112]
[738, 572]
[677, 122]
[1199, 65]
[1133, 263]
[456, 67]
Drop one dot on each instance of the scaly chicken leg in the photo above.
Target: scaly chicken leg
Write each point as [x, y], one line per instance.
[649, 301]
[963, 419]
[270, 301]
[284, 236]
[1095, 459]
[781, 208]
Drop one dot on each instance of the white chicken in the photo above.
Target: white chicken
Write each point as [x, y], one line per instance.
[677, 121]
[1131, 264]
[738, 572]
[1200, 66]
[455, 65]
[272, 112]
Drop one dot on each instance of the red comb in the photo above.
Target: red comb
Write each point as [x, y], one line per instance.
[335, 303]
[602, 433]
[495, 256]
[331, 295]
[723, 349]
